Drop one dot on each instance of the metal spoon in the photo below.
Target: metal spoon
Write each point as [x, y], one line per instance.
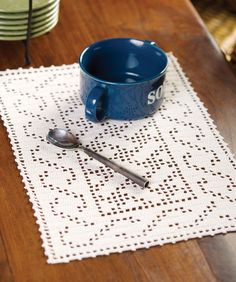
[64, 139]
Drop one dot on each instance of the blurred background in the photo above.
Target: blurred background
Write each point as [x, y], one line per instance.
[220, 19]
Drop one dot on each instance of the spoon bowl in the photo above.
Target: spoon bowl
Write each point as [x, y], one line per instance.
[62, 138]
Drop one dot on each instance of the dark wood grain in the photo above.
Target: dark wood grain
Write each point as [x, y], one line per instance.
[5, 271]
[176, 27]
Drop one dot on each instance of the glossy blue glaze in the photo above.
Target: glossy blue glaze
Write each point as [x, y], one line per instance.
[122, 78]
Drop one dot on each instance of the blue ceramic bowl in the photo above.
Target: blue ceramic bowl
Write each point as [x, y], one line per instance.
[122, 78]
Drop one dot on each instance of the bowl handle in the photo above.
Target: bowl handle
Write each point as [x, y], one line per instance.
[94, 106]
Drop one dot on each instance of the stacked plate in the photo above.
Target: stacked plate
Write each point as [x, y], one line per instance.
[14, 18]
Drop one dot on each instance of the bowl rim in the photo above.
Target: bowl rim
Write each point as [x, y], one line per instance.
[150, 43]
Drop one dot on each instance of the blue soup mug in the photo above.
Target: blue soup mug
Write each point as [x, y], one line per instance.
[122, 78]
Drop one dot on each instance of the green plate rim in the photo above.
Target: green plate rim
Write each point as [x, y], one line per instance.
[26, 9]
[15, 29]
[24, 32]
[17, 38]
[12, 16]
[25, 21]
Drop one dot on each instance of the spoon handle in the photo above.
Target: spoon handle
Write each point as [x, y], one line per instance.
[141, 181]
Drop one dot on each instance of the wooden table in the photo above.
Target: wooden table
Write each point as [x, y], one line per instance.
[176, 26]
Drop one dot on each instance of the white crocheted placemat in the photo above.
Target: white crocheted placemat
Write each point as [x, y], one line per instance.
[84, 209]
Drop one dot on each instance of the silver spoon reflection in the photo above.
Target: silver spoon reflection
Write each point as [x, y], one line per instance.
[66, 140]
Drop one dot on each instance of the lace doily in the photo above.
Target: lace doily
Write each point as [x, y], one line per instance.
[83, 208]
